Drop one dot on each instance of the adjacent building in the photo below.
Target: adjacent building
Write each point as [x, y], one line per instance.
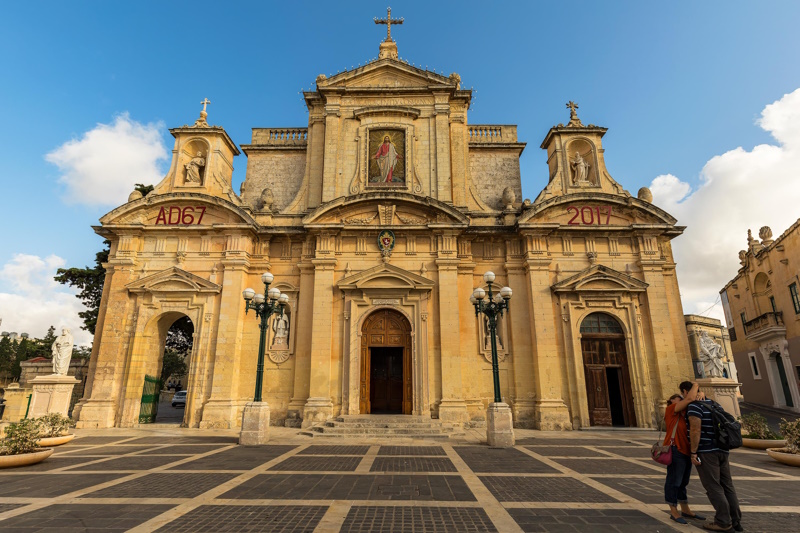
[762, 309]
[595, 335]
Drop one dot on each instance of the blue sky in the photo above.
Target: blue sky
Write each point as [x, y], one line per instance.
[676, 83]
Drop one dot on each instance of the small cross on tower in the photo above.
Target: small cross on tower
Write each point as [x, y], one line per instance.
[573, 115]
[388, 21]
[205, 102]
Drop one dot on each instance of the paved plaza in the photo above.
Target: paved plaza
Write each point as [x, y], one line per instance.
[182, 480]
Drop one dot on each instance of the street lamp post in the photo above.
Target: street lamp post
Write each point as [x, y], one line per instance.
[255, 419]
[499, 423]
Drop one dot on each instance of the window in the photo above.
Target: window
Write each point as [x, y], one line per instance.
[732, 333]
[772, 303]
[743, 316]
[600, 323]
[754, 365]
[795, 298]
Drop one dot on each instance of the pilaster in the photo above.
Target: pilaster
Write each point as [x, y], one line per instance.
[302, 362]
[452, 408]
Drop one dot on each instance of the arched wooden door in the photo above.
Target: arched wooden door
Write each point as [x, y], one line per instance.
[385, 385]
[605, 366]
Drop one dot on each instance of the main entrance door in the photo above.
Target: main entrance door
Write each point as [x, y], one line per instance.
[386, 385]
[605, 364]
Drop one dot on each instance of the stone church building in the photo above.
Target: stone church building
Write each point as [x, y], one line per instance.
[594, 336]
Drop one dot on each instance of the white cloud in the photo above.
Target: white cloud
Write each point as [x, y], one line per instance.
[102, 167]
[31, 300]
[739, 190]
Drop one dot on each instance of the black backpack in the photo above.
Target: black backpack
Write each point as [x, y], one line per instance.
[727, 431]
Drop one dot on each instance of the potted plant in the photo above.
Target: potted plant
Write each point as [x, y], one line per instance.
[53, 430]
[790, 455]
[20, 446]
[756, 433]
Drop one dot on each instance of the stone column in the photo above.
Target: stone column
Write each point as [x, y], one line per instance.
[452, 408]
[521, 350]
[316, 159]
[302, 363]
[319, 407]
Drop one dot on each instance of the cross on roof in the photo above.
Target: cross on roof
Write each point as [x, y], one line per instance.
[205, 102]
[388, 21]
[572, 106]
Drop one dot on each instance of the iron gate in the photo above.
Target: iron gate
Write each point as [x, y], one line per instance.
[150, 395]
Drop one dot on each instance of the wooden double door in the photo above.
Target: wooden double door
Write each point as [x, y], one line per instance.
[608, 383]
[385, 385]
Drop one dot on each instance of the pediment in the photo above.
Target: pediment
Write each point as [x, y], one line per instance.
[590, 211]
[385, 73]
[386, 276]
[600, 278]
[185, 210]
[381, 209]
[173, 280]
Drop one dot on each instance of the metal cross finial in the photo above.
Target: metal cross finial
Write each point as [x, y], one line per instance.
[205, 102]
[572, 106]
[388, 21]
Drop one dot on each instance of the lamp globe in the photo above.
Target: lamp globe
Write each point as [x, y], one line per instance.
[489, 277]
[248, 294]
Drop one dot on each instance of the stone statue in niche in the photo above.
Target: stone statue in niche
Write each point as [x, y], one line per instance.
[193, 169]
[580, 168]
[711, 356]
[266, 200]
[280, 327]
[62, 352]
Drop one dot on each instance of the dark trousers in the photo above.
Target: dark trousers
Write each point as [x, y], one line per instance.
[678, 473]
[715, 475]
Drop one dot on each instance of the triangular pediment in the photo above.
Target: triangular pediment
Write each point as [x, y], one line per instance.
[599, 278]
[385, 73]
[385, 276]
[173, 280]
[385, 209]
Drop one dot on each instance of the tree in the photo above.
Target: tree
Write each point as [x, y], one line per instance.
[174, 365]
[90, 282]
[179, 336]
[20, 356]
[144, 189]
[81, 352]
[42, 347]
[7, 355]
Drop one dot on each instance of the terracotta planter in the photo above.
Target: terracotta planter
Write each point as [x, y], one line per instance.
[46, 442]
[762, 444]
[791, 459]
[24, 459]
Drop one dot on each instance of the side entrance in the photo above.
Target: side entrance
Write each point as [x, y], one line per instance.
[385, 381]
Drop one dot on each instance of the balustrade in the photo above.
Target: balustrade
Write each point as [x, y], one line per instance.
[280, 136]
[492, 133]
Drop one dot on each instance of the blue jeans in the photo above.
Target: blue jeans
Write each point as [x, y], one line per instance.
[678, 474]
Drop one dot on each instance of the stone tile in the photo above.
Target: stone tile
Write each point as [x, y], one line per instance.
[411, 450]
[652, 490]
[565, 451]
[52, 463]
[543, 489]
[164, 485]
[634, 452]
[501, 460]
[365, 519]
[112, 450]
[188, 449]
[768, 492]
[239, 458]
[606, 466]
[563, 520]
[413, 464]
[577, 441]
[76, 517]
[134, 462]
[67, 448]
[240, 518]
[9, 506]
[91, 441]
[210, 439]
[49, 485]
[323, 449]
[352, 487]
[761, 460]
[318, 464]
[770, 522]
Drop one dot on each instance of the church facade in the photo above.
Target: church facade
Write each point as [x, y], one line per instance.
[594, 336]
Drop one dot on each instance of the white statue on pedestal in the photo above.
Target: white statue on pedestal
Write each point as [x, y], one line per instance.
[581, 168]
[62, 352]
[281, 328]
[711, 356]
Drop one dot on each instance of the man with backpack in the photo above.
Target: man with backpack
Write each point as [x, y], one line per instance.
[712, 432]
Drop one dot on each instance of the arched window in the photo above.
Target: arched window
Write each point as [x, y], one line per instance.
[601, 323]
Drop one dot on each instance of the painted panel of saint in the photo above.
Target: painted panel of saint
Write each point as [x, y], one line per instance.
[387, 151]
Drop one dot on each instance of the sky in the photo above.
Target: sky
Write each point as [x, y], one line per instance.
[700, 100]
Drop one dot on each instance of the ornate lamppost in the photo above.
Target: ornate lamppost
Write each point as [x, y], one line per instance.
[499, 422]
[255, 419]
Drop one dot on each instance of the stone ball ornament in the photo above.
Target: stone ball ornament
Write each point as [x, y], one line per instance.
[508, 197]
[645, 195]
[135, 195]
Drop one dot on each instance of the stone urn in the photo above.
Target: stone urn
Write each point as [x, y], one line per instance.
[782, 455]
[46, 442]
[25, 459]
[762, 444]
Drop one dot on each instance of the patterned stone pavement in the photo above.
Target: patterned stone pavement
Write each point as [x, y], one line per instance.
[187, 480]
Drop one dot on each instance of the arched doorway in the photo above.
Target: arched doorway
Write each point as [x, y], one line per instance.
[385, 385]
[787, 394]
[605, 366]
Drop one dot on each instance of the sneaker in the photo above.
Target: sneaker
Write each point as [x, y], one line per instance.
[713, 526]
[737, 526]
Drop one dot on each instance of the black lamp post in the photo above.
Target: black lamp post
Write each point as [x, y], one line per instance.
[264, 308]
[493, 309]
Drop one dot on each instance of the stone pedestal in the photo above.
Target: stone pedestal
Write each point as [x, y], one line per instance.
[316, 410]
[723, 391]
[255, 424]
[499, 425]
[51, 394]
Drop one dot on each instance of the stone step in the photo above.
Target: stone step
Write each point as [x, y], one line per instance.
[379, 431]
[433, 437]
[371, 424]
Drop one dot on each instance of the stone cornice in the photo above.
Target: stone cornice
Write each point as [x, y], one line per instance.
[204, 131]
[386, 110]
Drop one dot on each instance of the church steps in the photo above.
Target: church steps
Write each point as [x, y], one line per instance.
[377, 426]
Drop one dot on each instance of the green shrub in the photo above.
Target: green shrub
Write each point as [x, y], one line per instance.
[53, 425]
[754, 426]
[21, 437]
[791, 432]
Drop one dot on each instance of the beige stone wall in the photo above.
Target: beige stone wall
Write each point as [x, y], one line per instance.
[492, 170]
[280, 170]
